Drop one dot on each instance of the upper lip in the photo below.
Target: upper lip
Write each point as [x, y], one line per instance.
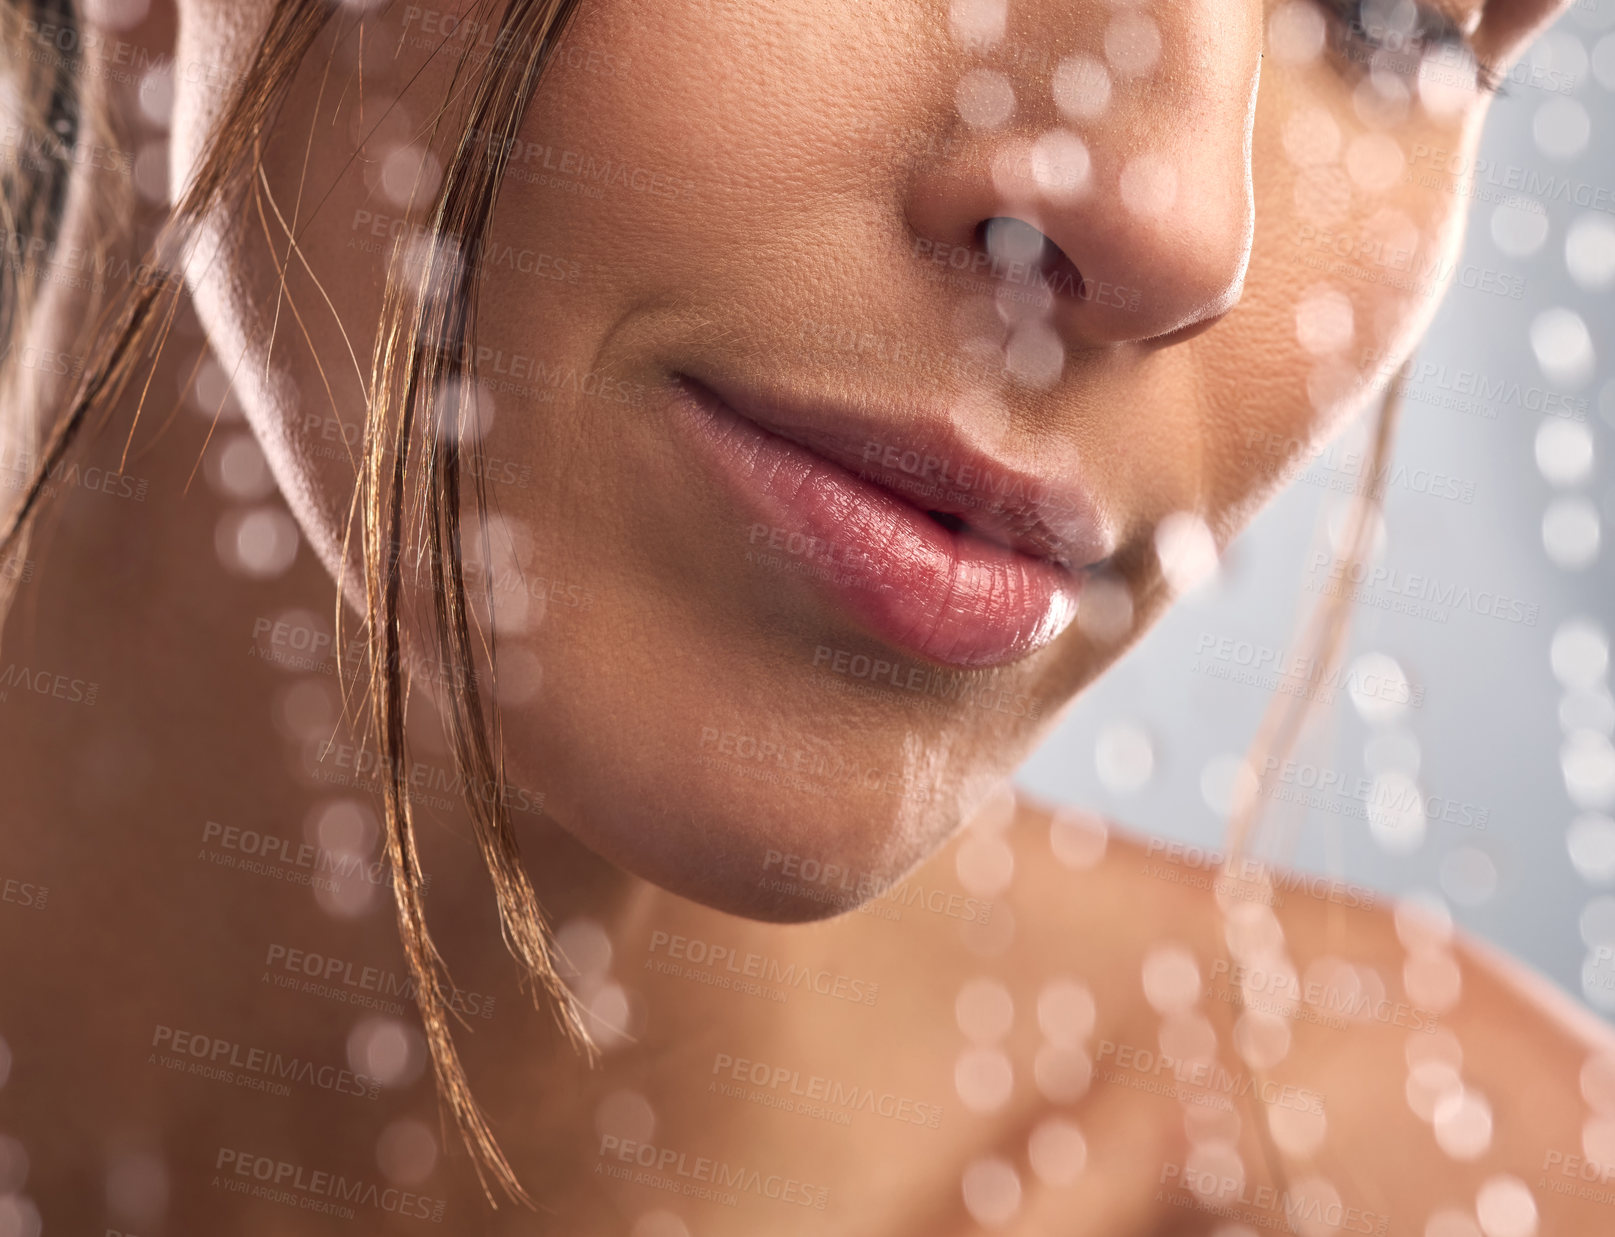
[935, 469]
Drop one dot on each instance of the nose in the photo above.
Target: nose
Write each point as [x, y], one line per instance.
[1112, 185]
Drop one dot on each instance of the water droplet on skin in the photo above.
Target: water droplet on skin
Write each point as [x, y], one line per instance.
[1035, 355]
[409, 176]
[1078, 839]
[1422, 921]
[1262, 1038]
[1383, 99]
[1297, 1132]
[1062, 1075]
[985, 99]
[1132, 43]
[984, 1010]
[237, 469]
[1324, 321]
[1061, 165]
[1428, 1083]
[260, 544]
[348, 895]
[978, 25]
[407, 1151]
[625, 1114]
[1081, 88]
[1171, 978]
[1057, 1151]
[1433, 980]
[1252, 931]
[1506, 1207]
[1065, 1012]
[1462, 1122]
[1105, 609]
[992, 1192]
[583, 950]
[985, 864]
[1186, 551]
[388, 1050]
[1214, 1170]
[608, 1014]
[156, 95]
[1296, 32]
[1448, 84]
[984, 1079]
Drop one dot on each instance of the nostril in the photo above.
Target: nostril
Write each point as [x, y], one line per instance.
[1021, 253]
[1012, 240]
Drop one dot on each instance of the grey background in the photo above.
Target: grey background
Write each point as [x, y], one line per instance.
[1489, 731]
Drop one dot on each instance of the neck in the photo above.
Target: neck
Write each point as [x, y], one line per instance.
[184, 716]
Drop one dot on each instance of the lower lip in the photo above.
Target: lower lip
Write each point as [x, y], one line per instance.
[952, 597]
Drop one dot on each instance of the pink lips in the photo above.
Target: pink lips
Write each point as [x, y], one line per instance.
[994, 575]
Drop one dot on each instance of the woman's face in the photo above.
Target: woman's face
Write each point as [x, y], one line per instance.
[857, 379]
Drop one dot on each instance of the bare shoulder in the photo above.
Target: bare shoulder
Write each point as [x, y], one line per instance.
[1459, 1063]
[1456, 1092]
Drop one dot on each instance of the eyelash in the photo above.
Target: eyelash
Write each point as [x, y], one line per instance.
[1432, 29]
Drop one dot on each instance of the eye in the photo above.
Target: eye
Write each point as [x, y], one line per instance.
[1403, 36]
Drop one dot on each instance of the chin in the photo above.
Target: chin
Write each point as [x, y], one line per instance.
[765, 844]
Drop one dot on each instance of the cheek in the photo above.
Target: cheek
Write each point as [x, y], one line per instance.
[339, 167]
[1357, 237]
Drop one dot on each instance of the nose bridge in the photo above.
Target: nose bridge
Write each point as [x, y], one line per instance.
[1129, 150]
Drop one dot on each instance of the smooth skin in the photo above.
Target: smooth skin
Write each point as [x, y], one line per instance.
[795, 154]
[787, 175]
